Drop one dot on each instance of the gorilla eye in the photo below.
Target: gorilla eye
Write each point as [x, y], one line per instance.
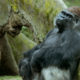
[68, 14]
[63, 12]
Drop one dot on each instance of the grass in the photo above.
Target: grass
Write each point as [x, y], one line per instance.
[10, 78]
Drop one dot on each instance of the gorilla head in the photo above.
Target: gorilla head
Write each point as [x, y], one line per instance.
[68, 18]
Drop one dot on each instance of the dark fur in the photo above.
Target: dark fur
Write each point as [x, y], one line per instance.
[60, 48]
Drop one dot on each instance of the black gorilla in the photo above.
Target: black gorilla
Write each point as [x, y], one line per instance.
[58, 54]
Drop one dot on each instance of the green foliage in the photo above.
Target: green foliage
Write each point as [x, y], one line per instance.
[14, 4]
[10, 78]
[19, 45]
[28, 32]
[72, 2]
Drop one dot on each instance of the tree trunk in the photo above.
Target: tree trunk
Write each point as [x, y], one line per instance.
[7, 60]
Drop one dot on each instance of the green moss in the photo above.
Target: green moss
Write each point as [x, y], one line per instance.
[28, 32]
[14, 4]
[10, 78]
[19, 45]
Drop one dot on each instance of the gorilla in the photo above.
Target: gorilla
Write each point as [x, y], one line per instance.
[57, 57]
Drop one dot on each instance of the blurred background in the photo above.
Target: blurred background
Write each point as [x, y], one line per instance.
[23, 24]
[72, 2]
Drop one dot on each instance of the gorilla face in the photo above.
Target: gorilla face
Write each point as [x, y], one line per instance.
[66, 19]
